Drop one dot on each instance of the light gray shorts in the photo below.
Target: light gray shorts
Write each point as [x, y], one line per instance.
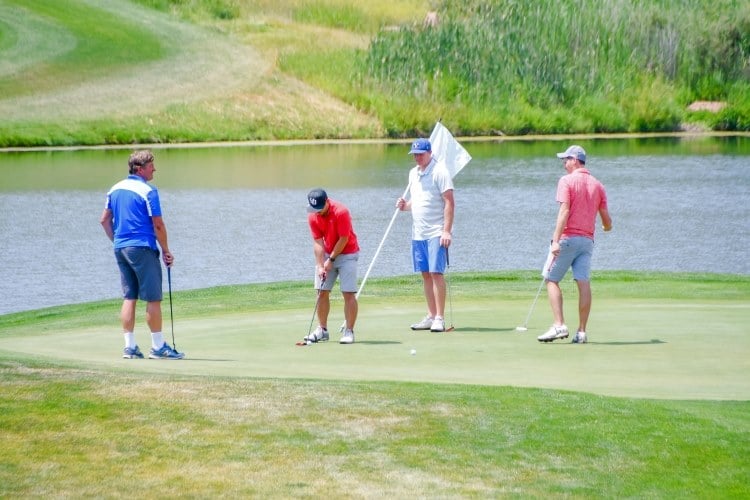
[345, 267]
[575, 252]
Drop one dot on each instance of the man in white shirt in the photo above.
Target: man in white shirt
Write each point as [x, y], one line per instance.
[432, 206]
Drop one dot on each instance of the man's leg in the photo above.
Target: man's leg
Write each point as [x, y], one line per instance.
[324, 307]
[438, 287]
[127, 315]
[351, 307]
[429, 292]
[154, 320]
[153, 316]
[558, 330]
[556, 302]
[584, 303]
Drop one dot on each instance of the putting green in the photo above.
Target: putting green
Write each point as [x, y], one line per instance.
[645, 348]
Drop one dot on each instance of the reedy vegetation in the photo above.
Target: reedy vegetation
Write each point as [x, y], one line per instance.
[487, 67]
[564, 66]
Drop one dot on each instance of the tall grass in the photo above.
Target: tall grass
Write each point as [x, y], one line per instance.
[528, 59]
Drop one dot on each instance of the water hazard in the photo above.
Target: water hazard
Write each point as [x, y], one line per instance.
[237, 214]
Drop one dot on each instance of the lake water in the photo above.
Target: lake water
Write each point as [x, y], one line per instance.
[238, 214]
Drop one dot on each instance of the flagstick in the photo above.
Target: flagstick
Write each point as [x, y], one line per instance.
[377, 252]
[382, 241]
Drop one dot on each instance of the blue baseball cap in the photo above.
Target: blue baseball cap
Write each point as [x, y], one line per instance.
[574, 151]
[420, 146]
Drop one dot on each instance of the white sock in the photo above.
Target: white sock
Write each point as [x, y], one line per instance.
[157, 340]
[438, 317]
[129, 339]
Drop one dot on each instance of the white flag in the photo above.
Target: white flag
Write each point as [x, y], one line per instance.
[447, 150]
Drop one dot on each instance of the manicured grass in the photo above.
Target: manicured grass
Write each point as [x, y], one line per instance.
[655, 406]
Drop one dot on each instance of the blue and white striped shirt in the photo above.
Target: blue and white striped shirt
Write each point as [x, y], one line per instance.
[133, 202]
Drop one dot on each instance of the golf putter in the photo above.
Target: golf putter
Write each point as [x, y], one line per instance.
[448, 280]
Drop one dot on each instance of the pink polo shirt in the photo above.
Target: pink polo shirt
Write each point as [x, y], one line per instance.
[585, 196]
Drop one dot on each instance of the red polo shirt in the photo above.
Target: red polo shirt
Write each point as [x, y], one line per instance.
[335, 223]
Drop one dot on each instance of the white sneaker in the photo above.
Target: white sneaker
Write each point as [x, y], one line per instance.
[347, 337]
[554, 333]
[580, 338]
[425, 324]
[320, 334]
[438, 325]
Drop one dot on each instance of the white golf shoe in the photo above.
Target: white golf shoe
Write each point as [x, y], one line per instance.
[554, 333]
[320, 334]
[347, 337]
[425, 324]
[438, 325]
[580, 338]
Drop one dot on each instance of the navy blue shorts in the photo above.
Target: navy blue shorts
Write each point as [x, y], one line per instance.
[140, 273]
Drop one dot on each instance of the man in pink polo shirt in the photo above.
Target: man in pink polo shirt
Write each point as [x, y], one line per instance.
[581, 196]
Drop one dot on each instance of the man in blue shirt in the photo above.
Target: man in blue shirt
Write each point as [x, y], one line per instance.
[132, 220]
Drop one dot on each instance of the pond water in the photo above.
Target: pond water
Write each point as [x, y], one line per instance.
[238, 214]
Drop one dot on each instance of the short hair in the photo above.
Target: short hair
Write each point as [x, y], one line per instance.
[139, 159]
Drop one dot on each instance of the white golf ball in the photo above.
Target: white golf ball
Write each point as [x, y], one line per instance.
[413, 352]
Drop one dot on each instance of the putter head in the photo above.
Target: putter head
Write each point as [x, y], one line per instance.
[521, 329]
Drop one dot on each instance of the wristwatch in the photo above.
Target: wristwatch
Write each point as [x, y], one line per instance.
[331, 258]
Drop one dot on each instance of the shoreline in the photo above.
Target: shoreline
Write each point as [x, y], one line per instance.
[307, 142]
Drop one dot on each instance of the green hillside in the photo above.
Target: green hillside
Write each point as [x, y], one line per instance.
[118, 71]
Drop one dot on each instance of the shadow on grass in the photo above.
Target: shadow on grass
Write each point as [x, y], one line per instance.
[635, 342]
[477, 329]
[379, 342]
[205, 359]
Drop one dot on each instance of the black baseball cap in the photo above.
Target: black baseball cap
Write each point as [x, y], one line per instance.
[317, 200]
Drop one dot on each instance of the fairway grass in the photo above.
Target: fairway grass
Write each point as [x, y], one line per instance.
[656, 405]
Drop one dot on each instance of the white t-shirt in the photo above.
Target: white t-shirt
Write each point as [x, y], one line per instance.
[427, 203]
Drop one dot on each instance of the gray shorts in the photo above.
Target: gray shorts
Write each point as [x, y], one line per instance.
[575, 252]
[140, 273]
[344, 266]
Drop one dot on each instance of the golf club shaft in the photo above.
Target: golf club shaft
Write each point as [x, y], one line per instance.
[533, 304]
[171, 313]
[448, 280]
[315, 311]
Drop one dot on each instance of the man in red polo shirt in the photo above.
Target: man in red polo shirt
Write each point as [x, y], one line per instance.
[336, 253]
